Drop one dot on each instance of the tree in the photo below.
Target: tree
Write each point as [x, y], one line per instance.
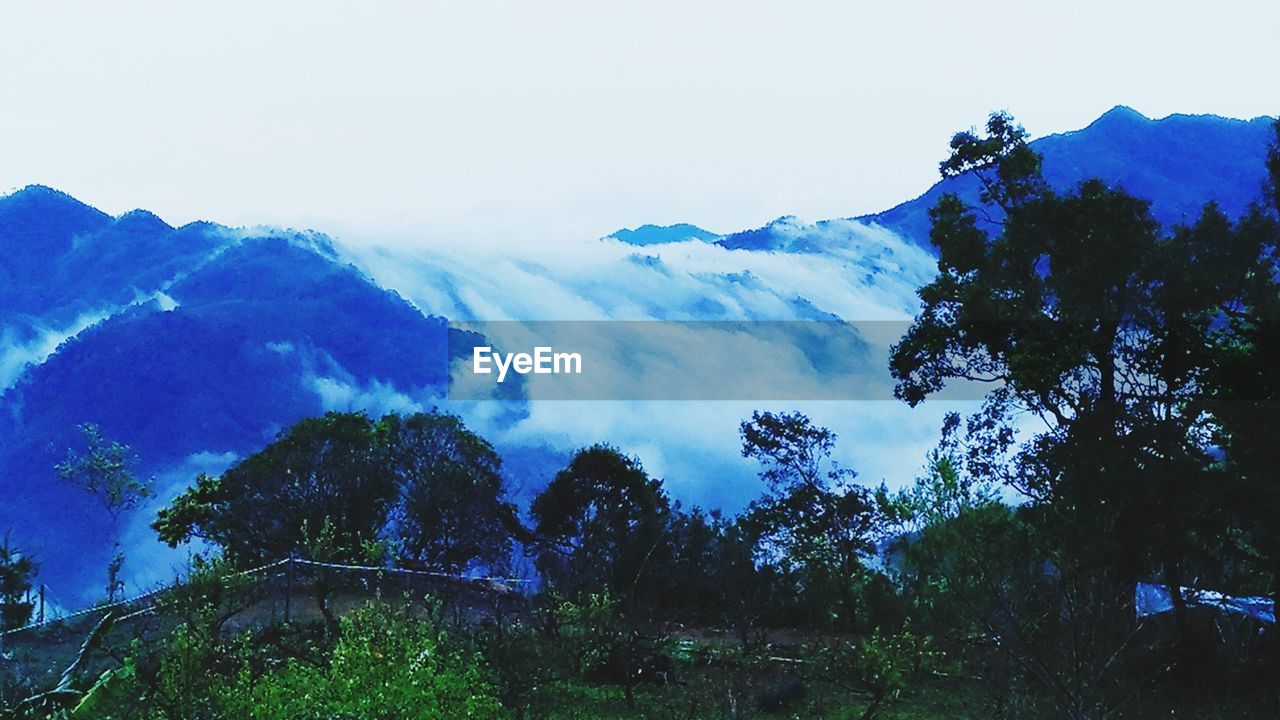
[1244, 389]
[603, 522]
[1082, 313]
[16, 571]
[1092, 321]
[602, 528]
[341, 489]
[105, 470]
[328, 479]
[956, 548]
[450, 513]
[813, 522]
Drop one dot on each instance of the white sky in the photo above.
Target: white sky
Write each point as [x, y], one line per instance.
[476, 121]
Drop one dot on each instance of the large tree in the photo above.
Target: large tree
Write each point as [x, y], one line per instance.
[1244, 387]
[1092, 319]
[450, 514]
[423, 485]
[814, 522]
[602, 523]
[328, 479]
[1087, 315]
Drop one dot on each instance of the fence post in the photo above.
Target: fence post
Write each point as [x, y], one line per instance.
[288, 588]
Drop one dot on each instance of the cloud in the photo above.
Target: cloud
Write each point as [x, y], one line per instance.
[375, 397]
[32, 341]
[862, 273]
[35, 342]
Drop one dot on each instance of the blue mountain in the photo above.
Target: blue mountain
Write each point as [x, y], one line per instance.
[660, 234]
[212, 341]
[62, 258]
[1178, 163]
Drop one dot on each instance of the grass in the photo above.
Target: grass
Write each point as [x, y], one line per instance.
[696, 699]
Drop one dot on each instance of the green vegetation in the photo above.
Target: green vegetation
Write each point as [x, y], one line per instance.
[1126, 439]
[385, 665]
[104, 471]
[16, 571]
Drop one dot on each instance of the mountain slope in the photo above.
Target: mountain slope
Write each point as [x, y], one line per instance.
[210, 342]
[1179, 163]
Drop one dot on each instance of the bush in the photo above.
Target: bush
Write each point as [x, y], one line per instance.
[385, 664]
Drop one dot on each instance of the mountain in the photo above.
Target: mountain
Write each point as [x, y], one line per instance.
[792, 235]
[659, 234]
[62, 258]
[1179, 163]
[207, 342]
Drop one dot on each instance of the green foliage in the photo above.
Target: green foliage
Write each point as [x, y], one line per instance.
[451, 513]
[1139, 364]
[605, 522]
[957, 544]
[189, 512]
[1243, 388]
[791, 450]
[1007, 167]
[333, 488]
[879, 666]
[211, 593]
[813, 524]
[608, 647]
[944, 493]
[525, 665]
[104, 470]
[329, 470]
[1092, 321]
[385, 665]
[593, 629]
[186, 684]
[715, 575]
[1147, 356]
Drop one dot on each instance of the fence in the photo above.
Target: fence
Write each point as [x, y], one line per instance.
[286, 582]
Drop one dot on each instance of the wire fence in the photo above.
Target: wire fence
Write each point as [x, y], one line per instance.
[293, 576]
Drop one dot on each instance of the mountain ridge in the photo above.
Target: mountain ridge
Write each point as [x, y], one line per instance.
[1216, 159]
[1179, 162]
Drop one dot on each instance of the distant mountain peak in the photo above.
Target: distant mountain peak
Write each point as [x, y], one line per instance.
[1178, 163]
[1121, 113]
[786, 221]
[44, 198]
[38, 225]
[38, 191]
[661, 234]
[141, 220]
[778, 234]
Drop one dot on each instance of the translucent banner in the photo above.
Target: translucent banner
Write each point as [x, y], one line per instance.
[678, 360]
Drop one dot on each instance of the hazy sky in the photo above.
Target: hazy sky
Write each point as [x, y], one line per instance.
[534, 121]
